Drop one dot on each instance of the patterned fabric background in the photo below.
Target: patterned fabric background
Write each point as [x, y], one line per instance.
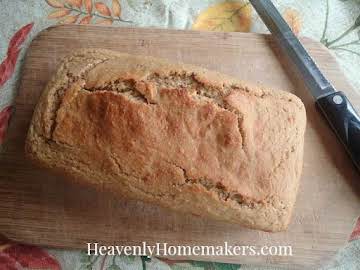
[335, 23]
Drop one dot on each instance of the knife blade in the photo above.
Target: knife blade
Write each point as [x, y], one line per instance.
[333, 105]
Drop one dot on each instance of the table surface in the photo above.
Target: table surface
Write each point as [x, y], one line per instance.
[335, 25]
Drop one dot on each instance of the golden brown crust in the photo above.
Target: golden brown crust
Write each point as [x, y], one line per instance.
[176, 135]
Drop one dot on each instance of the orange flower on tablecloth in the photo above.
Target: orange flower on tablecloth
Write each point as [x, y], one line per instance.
[8, 263]
[14, 256]
[116, 8]
[85, 12]
[8, 65]
[292, 17]
[7, 68]
[356, 232]
[225, 16]
[75, 3]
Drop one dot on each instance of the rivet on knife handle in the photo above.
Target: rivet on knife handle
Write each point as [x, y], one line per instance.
[344, 120]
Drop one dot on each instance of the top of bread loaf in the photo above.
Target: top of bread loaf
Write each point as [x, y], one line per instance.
[169, 126]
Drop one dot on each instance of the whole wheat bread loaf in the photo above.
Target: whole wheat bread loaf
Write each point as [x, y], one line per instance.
[175, 135]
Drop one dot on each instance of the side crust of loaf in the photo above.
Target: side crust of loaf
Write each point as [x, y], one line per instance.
[175, 135]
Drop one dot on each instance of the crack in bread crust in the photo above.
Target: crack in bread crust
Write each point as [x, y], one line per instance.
[128, 87]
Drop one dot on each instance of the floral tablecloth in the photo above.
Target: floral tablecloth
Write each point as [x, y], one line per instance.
[335, 23]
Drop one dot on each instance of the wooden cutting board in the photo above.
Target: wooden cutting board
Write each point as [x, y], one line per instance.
[41, 208]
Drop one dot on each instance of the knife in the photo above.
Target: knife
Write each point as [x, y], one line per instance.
[333, 105]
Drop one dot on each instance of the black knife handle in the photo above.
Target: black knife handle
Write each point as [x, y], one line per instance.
[344, 120]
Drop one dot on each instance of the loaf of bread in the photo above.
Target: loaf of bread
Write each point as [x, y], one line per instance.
[174, 135]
